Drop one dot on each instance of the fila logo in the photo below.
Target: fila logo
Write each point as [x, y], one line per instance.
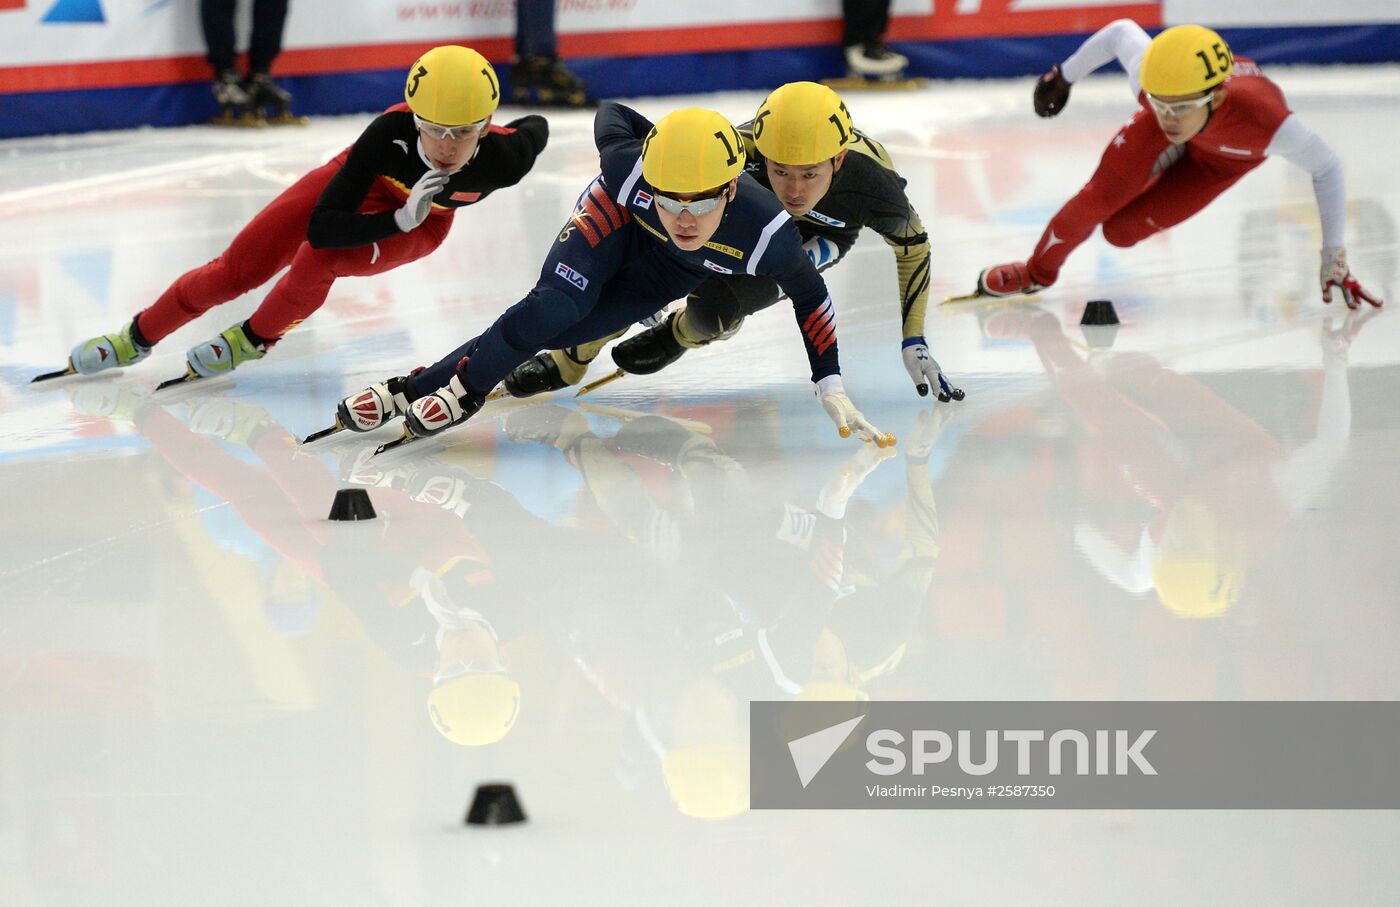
[642, 200]
[818, 216]
[714, 267]
[571, 275]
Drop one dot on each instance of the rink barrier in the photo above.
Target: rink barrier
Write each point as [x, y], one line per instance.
[181, 103]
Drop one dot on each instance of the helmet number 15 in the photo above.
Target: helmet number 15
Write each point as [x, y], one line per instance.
[1222, 57]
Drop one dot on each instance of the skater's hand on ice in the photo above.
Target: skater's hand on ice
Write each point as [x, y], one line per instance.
[849, 420]
[1051, 93]
[420, 200]
[1335, 273]
[926, 372]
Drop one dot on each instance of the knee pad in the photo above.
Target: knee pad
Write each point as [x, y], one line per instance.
[713, 311]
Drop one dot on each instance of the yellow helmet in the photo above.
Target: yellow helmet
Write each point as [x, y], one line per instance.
[1198, 572]
[452, 86]
[691, 150]
[1184, 60]
[1197, 589]
[802, 123]
[709, 780]
[475, 709]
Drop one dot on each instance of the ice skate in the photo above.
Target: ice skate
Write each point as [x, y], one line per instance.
[236, 107]
[547, 82]
[873, 65]
[1010, 279]
[542, 373]
[218, 356]
[651, 350]
[368, 409]
[1001, 282]
[437, 412]
[645, 354]
[99, 354]
[271, 102]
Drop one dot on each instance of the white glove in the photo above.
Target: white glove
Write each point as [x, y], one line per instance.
[926, 372]
[821, 252]
[1335, 273]
[420, 200]
[848, 419]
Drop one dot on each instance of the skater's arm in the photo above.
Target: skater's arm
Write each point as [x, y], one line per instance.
[527, 138]
[335, 223]
[618, 132]
[1299, 144]
[904, 232]
[1122, 40]
[785, 262]
[616, 124]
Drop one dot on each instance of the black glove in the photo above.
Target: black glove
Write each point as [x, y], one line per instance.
[1051, 93]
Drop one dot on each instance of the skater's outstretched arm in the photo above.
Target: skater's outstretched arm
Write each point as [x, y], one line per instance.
[1299, 144]
[1122, 40]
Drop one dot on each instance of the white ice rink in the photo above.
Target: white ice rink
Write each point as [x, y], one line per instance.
[209, 694]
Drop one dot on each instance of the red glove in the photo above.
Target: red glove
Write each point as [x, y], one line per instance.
[1335, 273]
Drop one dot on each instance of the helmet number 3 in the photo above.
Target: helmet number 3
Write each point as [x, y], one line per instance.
[1222, 57]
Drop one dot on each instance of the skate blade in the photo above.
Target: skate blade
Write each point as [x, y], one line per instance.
[860, 83]
[49, 376]
[325, 432]
[497, 394]
[405, 438]
[966, 297]
[189, 375]
[607, 379]
[239, 122]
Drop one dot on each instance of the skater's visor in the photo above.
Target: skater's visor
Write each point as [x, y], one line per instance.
[698, 207]
[1177, 109]
[436, 131]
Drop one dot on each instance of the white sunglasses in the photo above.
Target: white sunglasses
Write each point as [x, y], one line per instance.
[1178, 109]
[698, 207]
[433, 130]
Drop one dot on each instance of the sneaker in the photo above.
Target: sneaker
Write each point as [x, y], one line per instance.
[1010, 279]
[108, 351]
[224, 353]
[873, 58]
